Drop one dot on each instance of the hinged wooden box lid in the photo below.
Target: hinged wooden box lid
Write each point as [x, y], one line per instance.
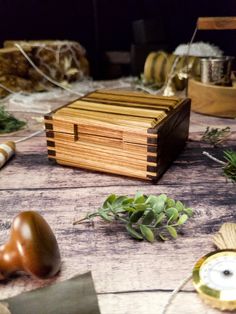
[118, 131]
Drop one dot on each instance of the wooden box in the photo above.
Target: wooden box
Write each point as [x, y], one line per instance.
[119, 131]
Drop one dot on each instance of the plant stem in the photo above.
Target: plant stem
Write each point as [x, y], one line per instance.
[79, 221]
[85, 218]
[122, 219]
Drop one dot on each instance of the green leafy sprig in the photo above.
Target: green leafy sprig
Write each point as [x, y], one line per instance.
[230, 168]
[8, 123]
[144, 217]
[215, 136]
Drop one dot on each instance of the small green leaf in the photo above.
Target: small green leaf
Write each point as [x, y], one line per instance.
[163, 197]
[170, 202]
[140, 207]
[129, 209]
[152, 199]
[148, 218]
[133, 232]
[136, 216]
[172, 231]
[119, 201]
[138, 194]
[159, 218]
[182, 219]
[140, 199]
[110, 199]
[147, 233]
[127, 201]
[118, 210]
[159, 206]
[188, 211]
[104, 216]
[172, 214]
[179, 205]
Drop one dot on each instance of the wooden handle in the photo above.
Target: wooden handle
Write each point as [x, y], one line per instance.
[32, 248]
[216, 23]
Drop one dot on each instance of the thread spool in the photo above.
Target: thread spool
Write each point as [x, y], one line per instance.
[7, 150]
[158, 67]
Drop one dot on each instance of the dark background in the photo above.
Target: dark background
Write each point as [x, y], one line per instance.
[106, 25]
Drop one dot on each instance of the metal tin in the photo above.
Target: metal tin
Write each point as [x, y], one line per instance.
[216, 70]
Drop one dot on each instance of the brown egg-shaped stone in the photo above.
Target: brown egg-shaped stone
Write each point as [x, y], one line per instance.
[32, 248]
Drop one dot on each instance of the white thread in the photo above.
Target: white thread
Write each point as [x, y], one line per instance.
[30, 136]
[169, 79]
[7, 89]
[148, 90]
[213, 158]
[174, 292]
[43, 74]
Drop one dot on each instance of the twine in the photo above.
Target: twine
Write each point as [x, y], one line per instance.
[7, 89]
[62, 47]
[213, 158]
[171, 75]
[174, 293]
[43, 74]
[29, 136]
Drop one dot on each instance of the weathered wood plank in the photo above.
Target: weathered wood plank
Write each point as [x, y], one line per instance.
[118, 262]
[30, 168]
[131, 277]
[153, 303]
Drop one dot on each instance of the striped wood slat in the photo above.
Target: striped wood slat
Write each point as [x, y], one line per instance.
[112, 131]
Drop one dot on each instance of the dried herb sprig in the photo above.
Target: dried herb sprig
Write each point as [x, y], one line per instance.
[229, 167]
[215, 136]
[8, 123]
[144, 217]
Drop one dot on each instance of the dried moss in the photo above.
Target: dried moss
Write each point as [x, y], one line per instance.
[8, 123]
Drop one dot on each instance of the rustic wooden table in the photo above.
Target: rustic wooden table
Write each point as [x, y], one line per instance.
[130, 277]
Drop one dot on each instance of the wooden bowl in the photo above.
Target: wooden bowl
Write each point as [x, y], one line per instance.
[213, 100]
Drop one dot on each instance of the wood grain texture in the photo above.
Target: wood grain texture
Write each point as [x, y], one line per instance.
[130, 277]
[152, 303]
[212, 100]
[23, 170]
[130, 124]
[216, 23]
